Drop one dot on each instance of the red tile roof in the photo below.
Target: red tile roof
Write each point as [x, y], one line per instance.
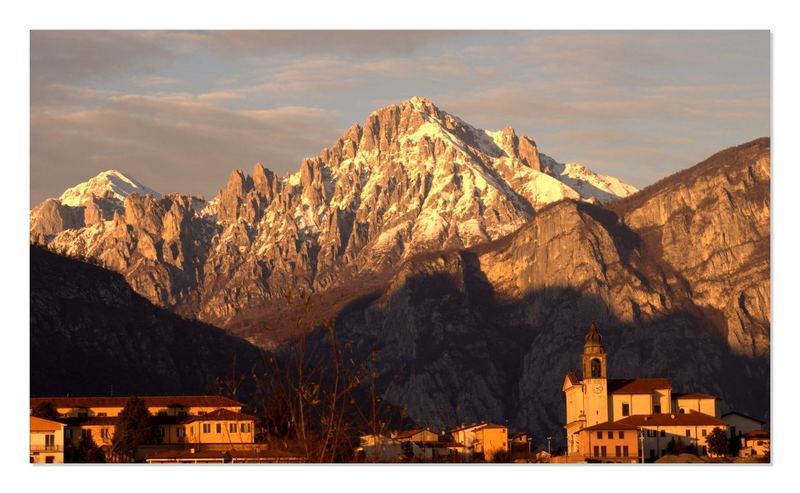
[637, 385]
[41, 424]
[611, 425]
[691, 419]
[149, 400]
[573, 378]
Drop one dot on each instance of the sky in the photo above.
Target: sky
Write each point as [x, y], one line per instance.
[179, 110]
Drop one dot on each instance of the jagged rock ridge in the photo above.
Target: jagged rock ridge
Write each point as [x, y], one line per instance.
[412, 179]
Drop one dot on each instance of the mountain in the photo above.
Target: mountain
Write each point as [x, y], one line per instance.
[677, 277]
[92, 335]
[412, 179]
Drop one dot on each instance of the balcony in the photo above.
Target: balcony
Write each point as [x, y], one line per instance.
[47, 448]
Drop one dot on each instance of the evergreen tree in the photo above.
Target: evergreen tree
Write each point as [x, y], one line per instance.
[134, 428]
[45, 410]
[717, 442]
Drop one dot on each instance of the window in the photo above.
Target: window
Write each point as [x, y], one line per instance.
[86, 434]
[181, 432]
[49, 459]
[162, 413]
[625, 451]
[49, 441]
[243, 428]
[663, 433]
[618, 451]
[219, 427]
[688, 433]
[657, 409]
[599, 434]
[620, 434]
[67, 434]
[104, 433]
[603, 451]
[181, 413]
[596, 451]
[704, 432]
[207, 427]
[652, 454]
[626, 409]
[596, 372]
[232, 428]
[102, 414]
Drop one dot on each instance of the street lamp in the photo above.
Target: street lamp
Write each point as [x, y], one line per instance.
[548, 445]
[641, 442]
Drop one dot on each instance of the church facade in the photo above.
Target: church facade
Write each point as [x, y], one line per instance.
[599, 408]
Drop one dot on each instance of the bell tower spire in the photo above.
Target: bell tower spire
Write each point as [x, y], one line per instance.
[594, 356]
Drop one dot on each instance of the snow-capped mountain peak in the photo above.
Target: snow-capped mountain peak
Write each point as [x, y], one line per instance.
[111, 184]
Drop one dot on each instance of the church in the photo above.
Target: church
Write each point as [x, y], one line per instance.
[629, 420]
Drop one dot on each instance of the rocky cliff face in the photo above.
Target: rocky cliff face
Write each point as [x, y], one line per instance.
[92, 335]
[677, 276]
[412, 179]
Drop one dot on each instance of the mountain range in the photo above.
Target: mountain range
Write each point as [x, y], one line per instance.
[468, 262]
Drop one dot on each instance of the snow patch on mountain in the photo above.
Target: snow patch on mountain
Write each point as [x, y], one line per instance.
[109, 184]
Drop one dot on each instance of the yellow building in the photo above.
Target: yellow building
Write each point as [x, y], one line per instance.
[47, 441]
[754, 443]
[610, 442]
[659, 430]
[486, 439]
[597, 400]
[182, 420]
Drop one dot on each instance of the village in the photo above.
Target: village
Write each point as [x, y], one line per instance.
[635, 420]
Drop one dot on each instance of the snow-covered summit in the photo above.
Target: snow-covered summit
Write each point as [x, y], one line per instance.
[109, 184]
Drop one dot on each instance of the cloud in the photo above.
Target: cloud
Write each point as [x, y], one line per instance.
[172, 142]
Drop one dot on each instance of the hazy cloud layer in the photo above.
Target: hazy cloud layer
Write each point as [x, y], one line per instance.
[180, 110]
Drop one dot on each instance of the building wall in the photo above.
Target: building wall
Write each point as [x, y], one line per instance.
[754, 446]
[574, 403]
[705, 406]
[101, 434]
[595, 400]
[242, 432]
[492, 441]
[637, 404]
[741, 425]
[610, 439]
[40, 450]
[658, 442]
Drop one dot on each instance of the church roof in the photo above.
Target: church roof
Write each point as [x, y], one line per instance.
[593, 337]
[692, 418]
[637, 385]
[573, 378]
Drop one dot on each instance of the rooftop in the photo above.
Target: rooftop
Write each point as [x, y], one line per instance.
[149, 400]
[637, 385]
[692, 418]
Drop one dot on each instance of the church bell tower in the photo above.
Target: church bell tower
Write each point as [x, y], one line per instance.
[595, 378]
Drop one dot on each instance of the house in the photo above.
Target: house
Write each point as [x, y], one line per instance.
[740, 424]
[482, 439]
[379, 448]
[701, 403]
[682, 430]
[416, 435]
[754, 443]
[46, 441]
[596, 400]
[183, 421]
[610, 442]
